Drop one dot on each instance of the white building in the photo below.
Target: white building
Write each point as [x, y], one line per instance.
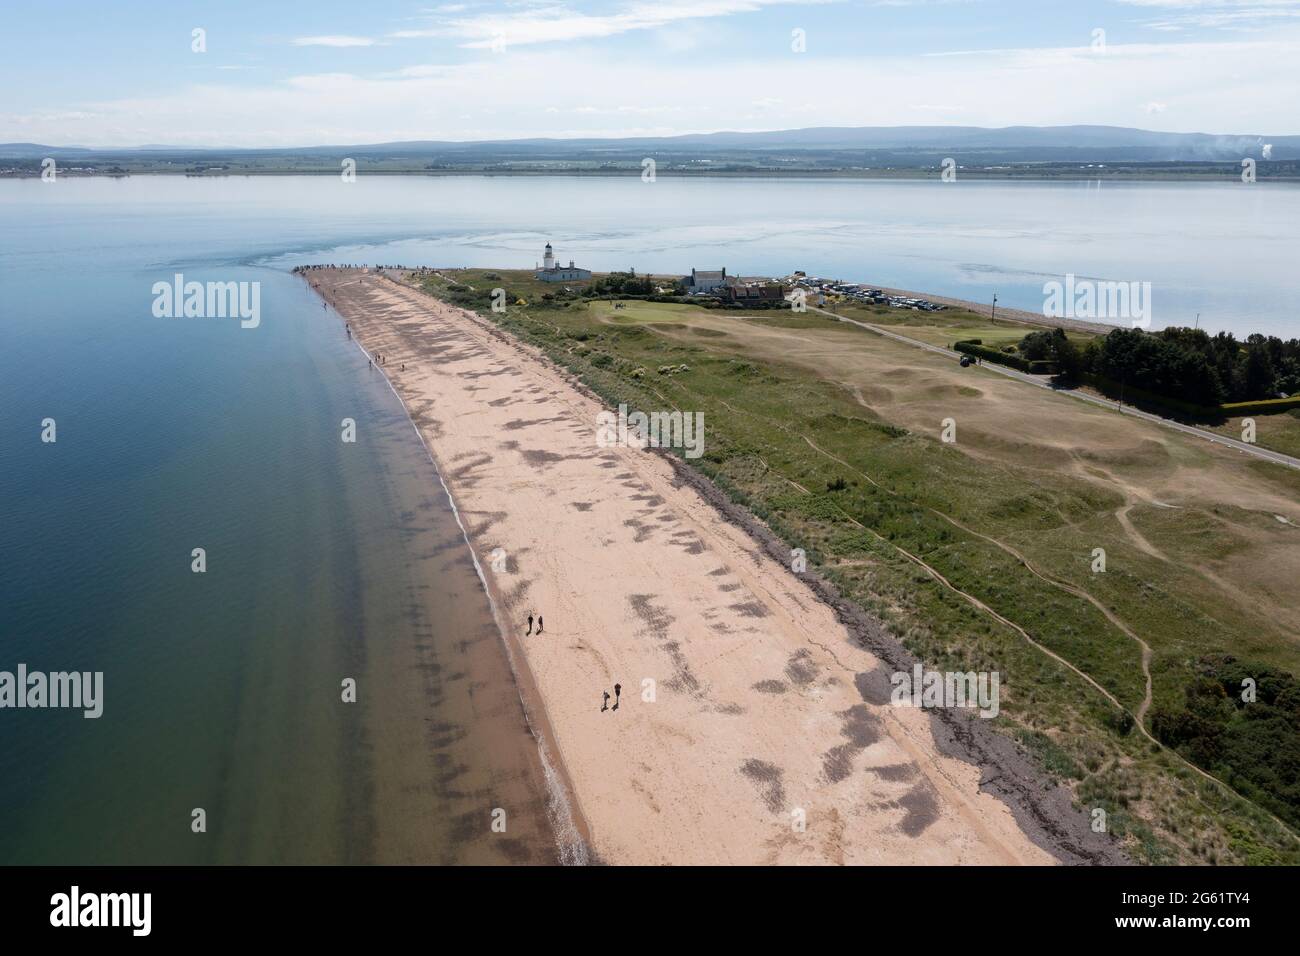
[550, 272]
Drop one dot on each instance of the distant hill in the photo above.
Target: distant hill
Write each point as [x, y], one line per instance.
[819, 148]
[37, 151]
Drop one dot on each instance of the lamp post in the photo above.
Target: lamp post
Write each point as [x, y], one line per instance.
[994, 314]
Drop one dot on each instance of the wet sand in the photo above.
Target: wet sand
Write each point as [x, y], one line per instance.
[768, 709]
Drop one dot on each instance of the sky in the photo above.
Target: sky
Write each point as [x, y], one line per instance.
[261, 73]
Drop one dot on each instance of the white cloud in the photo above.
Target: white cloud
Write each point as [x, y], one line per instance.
[552, 22]
[1227, 87]
[1240, 15]
[334, 41]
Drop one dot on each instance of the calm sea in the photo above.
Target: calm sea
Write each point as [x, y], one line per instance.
[328, 560]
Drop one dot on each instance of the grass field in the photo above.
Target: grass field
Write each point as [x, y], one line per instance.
[946, 327]
[979, 554]
[517, 283]
[1278, 432]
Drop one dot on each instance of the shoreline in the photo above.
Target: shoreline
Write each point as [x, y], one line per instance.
[901, 175]
[568, 827]
[963, 811]
[1010, 314]
[1043, 814]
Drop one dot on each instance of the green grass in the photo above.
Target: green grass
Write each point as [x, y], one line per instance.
[760, 417]
[518, 283]
[632, 312]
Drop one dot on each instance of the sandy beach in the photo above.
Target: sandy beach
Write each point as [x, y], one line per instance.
[749, 703]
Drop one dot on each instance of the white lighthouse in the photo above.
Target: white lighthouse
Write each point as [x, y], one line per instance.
[552, 271]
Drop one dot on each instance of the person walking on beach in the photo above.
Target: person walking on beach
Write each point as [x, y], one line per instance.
[530, 626]
[618, 691]
[539, 624]
[604, 704]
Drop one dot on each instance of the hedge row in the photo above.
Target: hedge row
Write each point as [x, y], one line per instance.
[993, 355]
[1034, 367]
[1268, 406]
[1271, 406]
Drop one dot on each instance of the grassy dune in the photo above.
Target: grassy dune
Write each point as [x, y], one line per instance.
[979, 554]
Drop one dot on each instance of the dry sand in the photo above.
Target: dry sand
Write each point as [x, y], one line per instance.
[764, 703]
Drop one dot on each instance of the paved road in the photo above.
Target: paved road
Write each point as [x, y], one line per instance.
[1276, 457]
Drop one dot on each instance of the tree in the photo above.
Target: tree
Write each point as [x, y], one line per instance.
[1069, 362]
[1037, 346]
[1258, 379]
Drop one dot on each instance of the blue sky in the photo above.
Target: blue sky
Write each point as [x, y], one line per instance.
[299, 73]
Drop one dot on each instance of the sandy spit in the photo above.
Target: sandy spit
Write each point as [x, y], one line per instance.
[754, 724]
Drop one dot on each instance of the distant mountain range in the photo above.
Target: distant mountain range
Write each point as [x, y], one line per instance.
[818, 147]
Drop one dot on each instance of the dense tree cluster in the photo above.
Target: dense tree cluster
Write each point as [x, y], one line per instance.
[1051, 345]
[1242, 723]
[620, 283]
[1041, 345]
[1185, 364]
